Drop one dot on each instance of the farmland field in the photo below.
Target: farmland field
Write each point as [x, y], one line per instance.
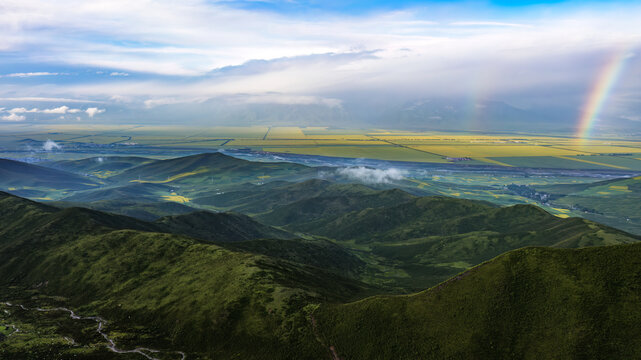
[478, 166]
[505, 150]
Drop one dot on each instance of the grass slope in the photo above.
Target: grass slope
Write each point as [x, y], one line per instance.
[102, 166]
[141, 192]
[16, 174]
[335, 201]
[210, 226]
[442, 216]
[533, 303]
[615, 202]
[207, 167]
[143, 210]
[184, 292]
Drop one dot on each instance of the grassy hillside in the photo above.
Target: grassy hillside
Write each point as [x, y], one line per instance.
[250, 198]
[17, 176]
[101, 167]
[441, 216]
[421, 242]
[143, 210]
[182, 291]
[533, 303]
[235, 296]
[332, 203]
[141, 192]
[212, 168]
[210, 226]
[315, 252]
[616, 202]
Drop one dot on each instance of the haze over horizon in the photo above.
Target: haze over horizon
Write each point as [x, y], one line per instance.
[479, 65]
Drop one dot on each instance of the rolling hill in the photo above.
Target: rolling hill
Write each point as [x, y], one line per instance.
[423, 241]
[102, 166]
[140, 192]
[179, 282]
[182, 290]
[142, 209]
[210, 226]
[286, 198]
[533, 303]
[442, 216]
[616, 202]
[18, 176]
[214, 168]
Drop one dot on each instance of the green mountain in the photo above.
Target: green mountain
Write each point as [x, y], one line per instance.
[339, 199]
[421, 242]
[252, 199]
[212, 168]
[210, 226]
[616, 202]
[33, 180]
[160, 290]
[533, 303]
[320, 253]
[101, 166]
[225, 286]
[314, 197]
[141, 192]
[442, 216]
[137, 208]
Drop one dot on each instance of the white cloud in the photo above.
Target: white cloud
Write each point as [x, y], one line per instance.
[93, 111]
[13, 117]
[115, 73]
[47, 99]
[265, 57]
[59, 110]
[23, 110]
[31, 74]
[487, 23]
[285, 99]
[371, 176]
[50, 145]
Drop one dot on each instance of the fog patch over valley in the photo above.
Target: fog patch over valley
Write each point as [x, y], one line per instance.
[370, 175]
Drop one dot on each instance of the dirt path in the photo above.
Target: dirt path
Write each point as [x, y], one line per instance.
[332, 348]
[111, 345]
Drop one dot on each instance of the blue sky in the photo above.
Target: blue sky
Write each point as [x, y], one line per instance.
[134, 60]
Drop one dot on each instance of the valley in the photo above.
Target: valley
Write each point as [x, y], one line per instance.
[283, 259]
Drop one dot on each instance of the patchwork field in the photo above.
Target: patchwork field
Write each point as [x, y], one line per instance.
[504, 150]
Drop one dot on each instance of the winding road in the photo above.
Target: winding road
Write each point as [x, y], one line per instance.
[111, 345]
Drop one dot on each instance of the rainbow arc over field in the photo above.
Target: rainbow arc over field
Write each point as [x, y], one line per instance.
[600, 92]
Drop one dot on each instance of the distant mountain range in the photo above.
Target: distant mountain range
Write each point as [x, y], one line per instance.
[283, 287]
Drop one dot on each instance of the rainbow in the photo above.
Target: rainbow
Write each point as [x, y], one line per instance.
[599, 93]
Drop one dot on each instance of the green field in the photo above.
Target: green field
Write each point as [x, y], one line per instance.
[521, 150]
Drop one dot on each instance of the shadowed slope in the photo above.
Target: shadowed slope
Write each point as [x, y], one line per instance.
[533, 303]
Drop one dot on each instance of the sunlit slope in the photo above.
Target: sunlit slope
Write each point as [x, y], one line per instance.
[442, 216]
[418, 243]
[100, 166]
[24, 178]
[533, 303]
[616, 202]
[140, 192]
[213, 168]
[312, 194]
[314, 212]
[185, 291]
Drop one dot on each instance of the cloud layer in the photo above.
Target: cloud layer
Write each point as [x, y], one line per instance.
[371, 176]
[144, 55]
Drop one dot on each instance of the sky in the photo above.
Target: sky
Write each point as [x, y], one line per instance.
[348, 63]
